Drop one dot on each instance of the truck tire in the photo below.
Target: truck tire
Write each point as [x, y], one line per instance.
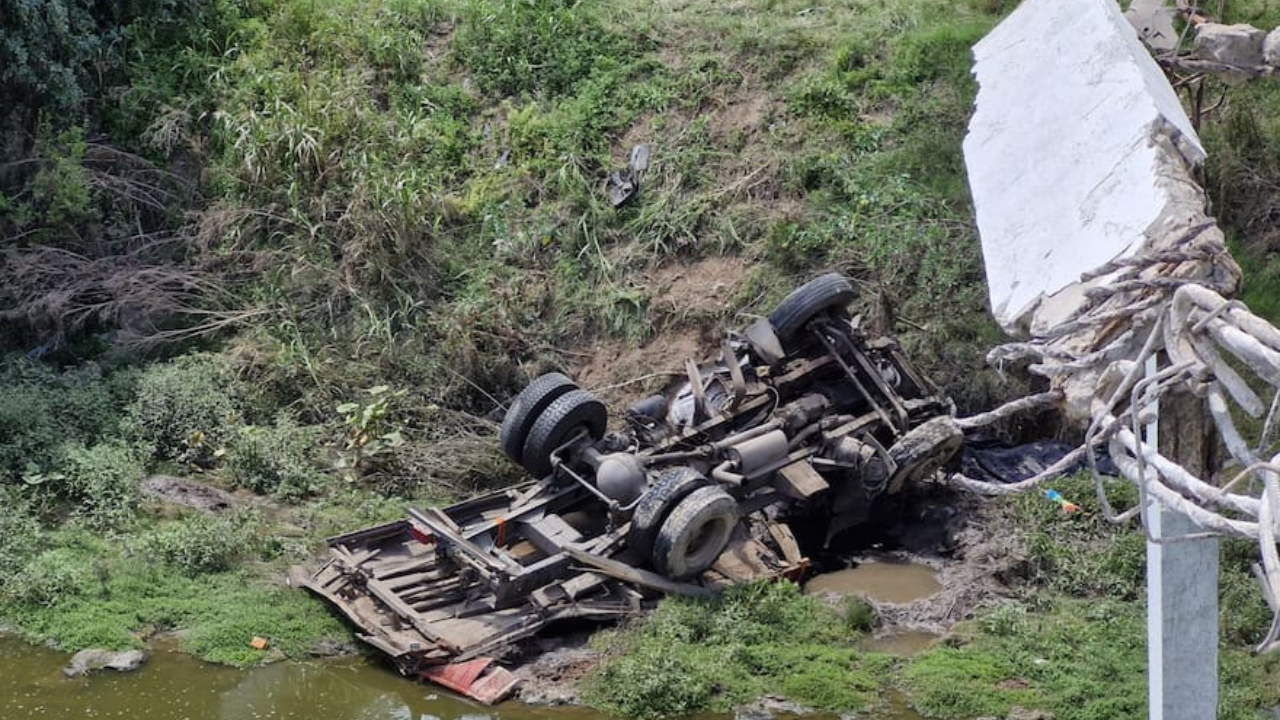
[807, 301]
[525, 409]
[568, 414]
[695, 533]
[924, 450]
[671, 486]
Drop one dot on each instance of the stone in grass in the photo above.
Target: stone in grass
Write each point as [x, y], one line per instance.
[1271, 48]
[1238, 45]
[87, 661]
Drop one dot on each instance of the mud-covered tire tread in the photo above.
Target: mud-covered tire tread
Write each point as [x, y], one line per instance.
[671, 486]
[526, 408]
[924, 449]
[564, 416]
[686, 522]
[807, 301]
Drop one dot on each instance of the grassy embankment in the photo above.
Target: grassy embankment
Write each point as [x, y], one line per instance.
[383, 217]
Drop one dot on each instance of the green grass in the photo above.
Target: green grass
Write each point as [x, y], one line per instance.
[694, 656]
[114, 598]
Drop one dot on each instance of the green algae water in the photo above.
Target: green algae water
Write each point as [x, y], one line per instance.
[176, 686]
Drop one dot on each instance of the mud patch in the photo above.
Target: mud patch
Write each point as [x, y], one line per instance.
[973, 577]
[551, 677]
[188, 493]
[688, 301]
[705, 288]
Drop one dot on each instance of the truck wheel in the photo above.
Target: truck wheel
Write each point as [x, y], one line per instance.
[526, 408]
[807, 301]
[568, 414]
[924, 450]
[672, 486]
[695, 533]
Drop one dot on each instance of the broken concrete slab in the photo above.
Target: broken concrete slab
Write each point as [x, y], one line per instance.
[1153, 19]
[1230, 44]
[1271, 48]
[1068, 155]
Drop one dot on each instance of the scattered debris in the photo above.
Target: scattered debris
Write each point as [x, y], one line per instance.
[625, 184]
[802, 422]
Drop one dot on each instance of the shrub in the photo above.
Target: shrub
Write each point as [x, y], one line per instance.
[20, 534]
[103, 481]
[40, 411]
[47, 579]
[276, 459]
[201, 543]
[186, 410]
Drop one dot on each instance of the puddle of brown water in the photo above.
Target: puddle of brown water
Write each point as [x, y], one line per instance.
[904, 644]
[883, 581]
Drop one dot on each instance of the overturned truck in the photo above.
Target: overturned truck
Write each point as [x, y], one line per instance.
[801, 420]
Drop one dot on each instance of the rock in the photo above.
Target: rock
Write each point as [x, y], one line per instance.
[768, 707]
[87, 661]
[189, 493]
[1021, 713]
[1153, 19]
[330, 647]
[1239, 45]
[1271, 48]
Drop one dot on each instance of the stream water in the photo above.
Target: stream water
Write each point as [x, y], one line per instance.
[176, 686]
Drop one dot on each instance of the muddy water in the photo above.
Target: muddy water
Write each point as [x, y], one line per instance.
[882, 581]
[174, 686]
[903, 643]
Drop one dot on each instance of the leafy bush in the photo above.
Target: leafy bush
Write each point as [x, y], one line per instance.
[48, 579]
[276, 459]
[202, 543]
[57, 55]
[103, 482]
[20, 533]
[40, 411]
[186, 410]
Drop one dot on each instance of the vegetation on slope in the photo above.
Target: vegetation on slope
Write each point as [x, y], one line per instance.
[372, 221]
[305, 249]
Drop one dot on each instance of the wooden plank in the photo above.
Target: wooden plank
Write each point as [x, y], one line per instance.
[634, 575]
[366, 535]
[414, 565]
[781, 533]
[423, 578]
